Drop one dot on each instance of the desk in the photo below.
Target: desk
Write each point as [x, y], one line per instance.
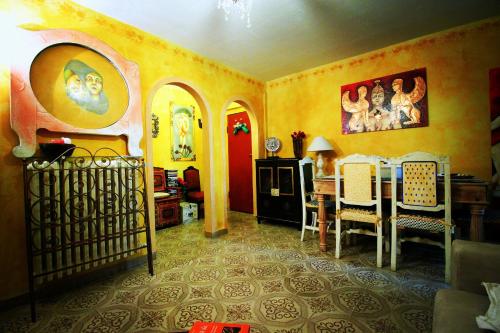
[473, 194]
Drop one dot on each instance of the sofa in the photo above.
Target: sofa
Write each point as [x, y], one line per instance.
[472, 263]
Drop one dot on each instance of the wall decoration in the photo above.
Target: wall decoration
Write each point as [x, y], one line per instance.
[45, 92]
[85, 87]
[79, 86]
[156, 125]
[390, 102]
[239, 125]
[182, 120]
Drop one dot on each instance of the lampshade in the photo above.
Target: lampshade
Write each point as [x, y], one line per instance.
[319, 144]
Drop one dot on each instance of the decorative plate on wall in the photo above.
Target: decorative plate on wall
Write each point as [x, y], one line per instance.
[273, 144]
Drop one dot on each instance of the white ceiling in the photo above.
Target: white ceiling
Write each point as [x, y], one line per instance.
[288, 36]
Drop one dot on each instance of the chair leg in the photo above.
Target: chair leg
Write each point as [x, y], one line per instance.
[304, 221]
[348, 235]
[379, 246]
[393, 245]
[387, 236]
[447, 253]
[338, 233]
[314, 219]
[329, 226]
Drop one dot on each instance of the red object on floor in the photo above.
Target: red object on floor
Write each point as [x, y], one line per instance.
[201, 327]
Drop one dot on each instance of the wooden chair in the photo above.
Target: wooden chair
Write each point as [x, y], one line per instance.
[309, 204]
[417, 205]
[355, 201]
[193, 190]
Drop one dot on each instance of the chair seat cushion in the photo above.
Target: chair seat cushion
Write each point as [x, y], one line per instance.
[420, 222]
[456, 311]
[195, 196]
[315, 204]
[360, 215]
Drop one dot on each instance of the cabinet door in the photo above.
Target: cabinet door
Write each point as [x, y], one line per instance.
[265, 184]
[288, 191]
[265, 178]
[278, 196]
[167, 212]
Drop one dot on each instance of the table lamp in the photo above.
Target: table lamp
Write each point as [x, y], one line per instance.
[319, 144]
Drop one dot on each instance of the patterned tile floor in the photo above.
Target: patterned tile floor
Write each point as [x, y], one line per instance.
[258, 274]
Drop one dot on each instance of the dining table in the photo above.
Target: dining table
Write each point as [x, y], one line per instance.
[467, 192]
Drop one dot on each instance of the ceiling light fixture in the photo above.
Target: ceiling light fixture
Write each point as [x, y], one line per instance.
[240, 7]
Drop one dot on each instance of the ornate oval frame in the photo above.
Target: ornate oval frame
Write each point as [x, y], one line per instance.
[27, 114]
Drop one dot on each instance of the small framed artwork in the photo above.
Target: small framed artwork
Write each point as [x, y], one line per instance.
[395, 101]
[182, 129]
[67, 81]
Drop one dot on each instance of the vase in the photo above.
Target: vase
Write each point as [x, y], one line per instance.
[297, 148]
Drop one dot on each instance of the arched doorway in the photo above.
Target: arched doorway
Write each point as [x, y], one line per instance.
[240, 161]
[234, 106]
[205, 162]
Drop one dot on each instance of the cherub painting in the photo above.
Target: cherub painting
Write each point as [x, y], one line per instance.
[182, 133]
[85, 86]
[394, 102]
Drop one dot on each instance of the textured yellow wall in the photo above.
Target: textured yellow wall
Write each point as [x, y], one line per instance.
[161, 106]
[157, 59]
[457, 63]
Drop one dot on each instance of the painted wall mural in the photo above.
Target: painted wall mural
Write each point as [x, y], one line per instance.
[85, 86]
[182, 133]
[390, 102]
[79, 86]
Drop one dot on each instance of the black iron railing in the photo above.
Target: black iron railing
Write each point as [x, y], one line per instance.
[82, 212]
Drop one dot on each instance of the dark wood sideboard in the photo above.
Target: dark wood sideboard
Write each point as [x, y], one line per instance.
[278, 190]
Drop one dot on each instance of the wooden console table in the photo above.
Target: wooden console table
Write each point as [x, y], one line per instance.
[473, 194]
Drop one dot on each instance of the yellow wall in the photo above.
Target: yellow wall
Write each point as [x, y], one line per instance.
[457, 63]
[158, 60]
[162, 101]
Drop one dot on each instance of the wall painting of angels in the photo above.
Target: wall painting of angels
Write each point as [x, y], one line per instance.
[182, 133]
[390, 102]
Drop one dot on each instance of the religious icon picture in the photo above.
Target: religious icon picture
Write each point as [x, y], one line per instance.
[182, 120]
[390, 102]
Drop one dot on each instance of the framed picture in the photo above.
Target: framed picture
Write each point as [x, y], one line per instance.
[391, 102]
[67, 81]
[182, 120]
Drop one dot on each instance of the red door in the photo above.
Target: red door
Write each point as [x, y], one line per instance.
[240, 163]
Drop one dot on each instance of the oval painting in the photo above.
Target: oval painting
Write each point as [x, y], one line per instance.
[79, 86]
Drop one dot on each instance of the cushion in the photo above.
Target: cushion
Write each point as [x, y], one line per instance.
[455, 311]
[158, 195]
[491, 320]
[315, 203]
[197, 196]
[359, 215]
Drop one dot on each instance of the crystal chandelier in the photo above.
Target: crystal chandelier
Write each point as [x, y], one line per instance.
[240, 7]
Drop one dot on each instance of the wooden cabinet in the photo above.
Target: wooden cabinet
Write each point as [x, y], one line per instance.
[278, 190]
[166, 210]
[167, 201]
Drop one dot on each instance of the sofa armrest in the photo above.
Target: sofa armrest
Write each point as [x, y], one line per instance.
[473, 263]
